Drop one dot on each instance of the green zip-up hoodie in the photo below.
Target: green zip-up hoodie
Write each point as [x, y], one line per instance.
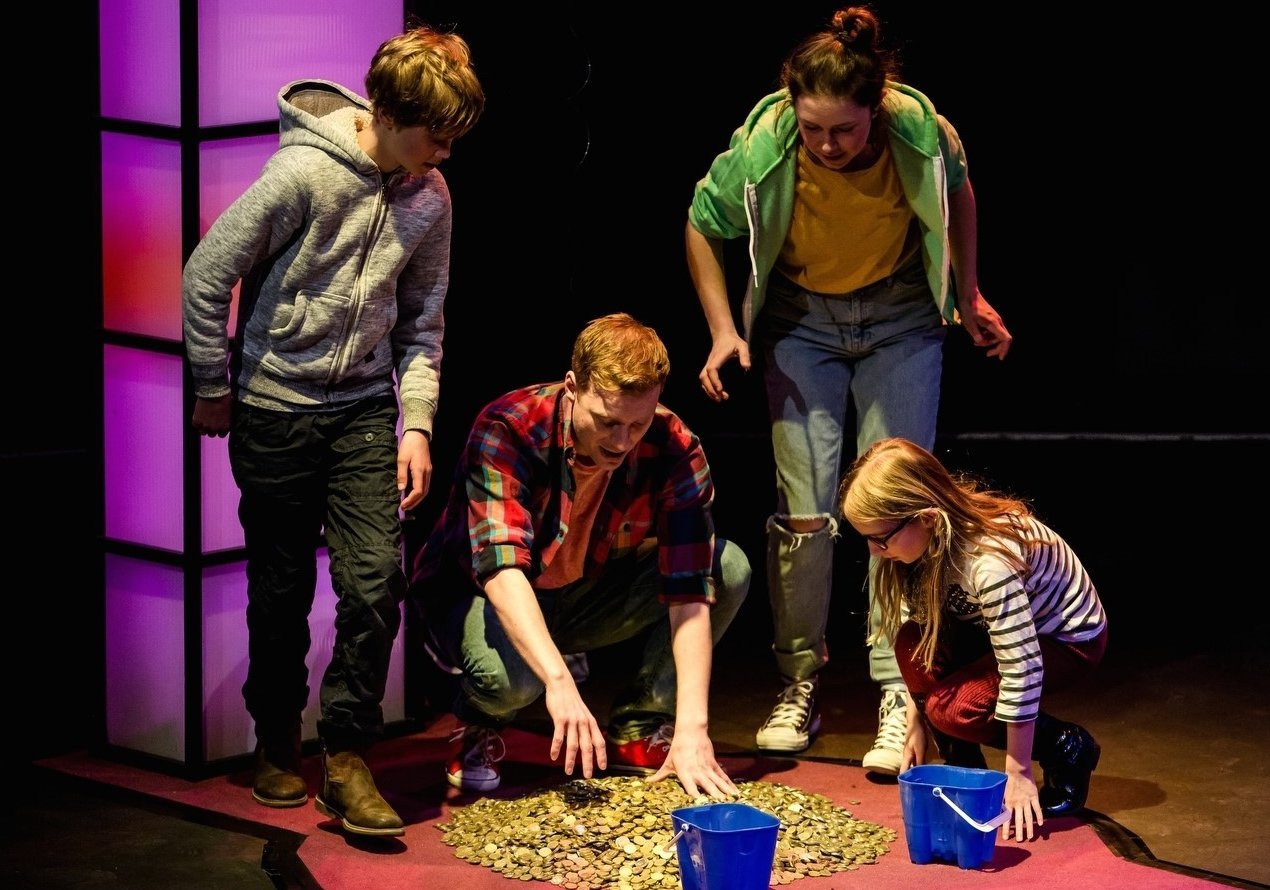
[750, 187]
[344, 272]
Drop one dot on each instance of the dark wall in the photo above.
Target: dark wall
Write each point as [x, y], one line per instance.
[50, 434]
[1106, 151]
[1116, 215]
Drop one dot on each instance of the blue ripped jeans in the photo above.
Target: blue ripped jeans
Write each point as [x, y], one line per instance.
[879, 349]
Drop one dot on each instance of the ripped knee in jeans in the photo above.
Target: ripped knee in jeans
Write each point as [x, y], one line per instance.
[803, 526]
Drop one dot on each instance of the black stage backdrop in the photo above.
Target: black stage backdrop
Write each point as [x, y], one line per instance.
[1115, 178]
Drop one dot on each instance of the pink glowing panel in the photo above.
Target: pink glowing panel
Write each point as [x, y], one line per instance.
[226, 168]
[141, 235]
[228, 729]
[140, 44]
[145, 657]
[248, 50]
[221, 530]
[143, 421]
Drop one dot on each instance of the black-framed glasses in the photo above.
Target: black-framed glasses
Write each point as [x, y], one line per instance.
[880, 541]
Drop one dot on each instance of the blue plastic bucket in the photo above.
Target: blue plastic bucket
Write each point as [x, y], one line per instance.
[951, 813]
[725, 846]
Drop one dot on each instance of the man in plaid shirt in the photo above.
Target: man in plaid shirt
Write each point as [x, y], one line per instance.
[580, 517]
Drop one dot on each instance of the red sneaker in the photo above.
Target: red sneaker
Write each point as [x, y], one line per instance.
[643, 755]
[473, 761]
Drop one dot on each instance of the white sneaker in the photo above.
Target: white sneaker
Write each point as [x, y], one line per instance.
[888, 749]
[793, 721]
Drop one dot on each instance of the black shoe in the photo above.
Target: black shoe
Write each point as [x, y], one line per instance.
[966, 754]
[957, 752]
[1069, 757]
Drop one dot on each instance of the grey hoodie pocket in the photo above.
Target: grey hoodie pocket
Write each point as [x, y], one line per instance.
[329, 337]
[313, 327]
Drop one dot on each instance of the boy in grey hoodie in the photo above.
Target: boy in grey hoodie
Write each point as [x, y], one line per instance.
[341, 250]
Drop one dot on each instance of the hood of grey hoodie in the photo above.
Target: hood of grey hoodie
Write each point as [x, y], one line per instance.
[323, 114]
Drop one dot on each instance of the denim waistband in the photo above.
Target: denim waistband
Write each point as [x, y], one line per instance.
[781, 281]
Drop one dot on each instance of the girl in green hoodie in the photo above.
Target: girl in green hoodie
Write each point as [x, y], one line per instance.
[853, 194]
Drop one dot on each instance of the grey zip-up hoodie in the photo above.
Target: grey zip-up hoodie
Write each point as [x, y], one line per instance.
[344, 272]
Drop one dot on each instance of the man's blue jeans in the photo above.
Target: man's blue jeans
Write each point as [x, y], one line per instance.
[495, 682]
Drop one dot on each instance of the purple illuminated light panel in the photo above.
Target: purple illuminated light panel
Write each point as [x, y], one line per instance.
[145, 654]
[247, 51]
[142, 442]
[140, 43]
[141, 235]
[229, 729]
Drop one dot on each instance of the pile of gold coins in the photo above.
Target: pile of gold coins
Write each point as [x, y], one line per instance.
[617, 832]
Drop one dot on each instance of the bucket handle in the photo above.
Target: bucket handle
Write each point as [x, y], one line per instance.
[991, 825]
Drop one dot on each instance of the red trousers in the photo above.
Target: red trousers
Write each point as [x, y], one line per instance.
[959, 695]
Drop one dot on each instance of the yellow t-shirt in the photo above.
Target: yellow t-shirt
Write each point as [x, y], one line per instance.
[849, 229]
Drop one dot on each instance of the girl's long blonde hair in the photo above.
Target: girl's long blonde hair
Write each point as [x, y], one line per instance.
[896, 479]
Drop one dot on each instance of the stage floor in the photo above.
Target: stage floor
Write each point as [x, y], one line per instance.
[308, 850]
[1181, 793]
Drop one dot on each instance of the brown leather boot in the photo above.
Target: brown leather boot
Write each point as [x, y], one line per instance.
[349, 794]
[278, 781]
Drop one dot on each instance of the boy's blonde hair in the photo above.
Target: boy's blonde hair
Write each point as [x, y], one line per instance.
[424, 77]
[616, 353]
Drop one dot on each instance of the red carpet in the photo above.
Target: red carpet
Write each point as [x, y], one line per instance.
[408, 770]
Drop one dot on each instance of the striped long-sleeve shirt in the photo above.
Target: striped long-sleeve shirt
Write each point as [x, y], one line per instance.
[1054, 597]
[513, 491]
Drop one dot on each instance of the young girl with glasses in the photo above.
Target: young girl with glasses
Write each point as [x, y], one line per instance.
[989, 611]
